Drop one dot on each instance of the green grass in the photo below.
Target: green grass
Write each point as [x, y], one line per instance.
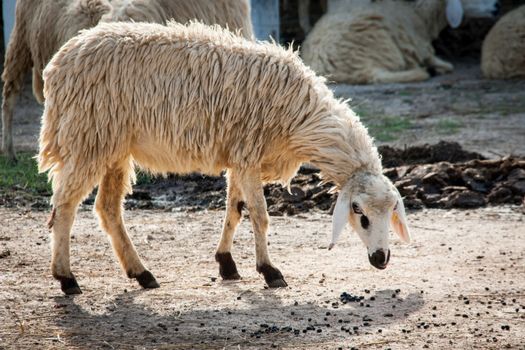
[387, 128]
[448, 126]
[23, 175]
[145, 178]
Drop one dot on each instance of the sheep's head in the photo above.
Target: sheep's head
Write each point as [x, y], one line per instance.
[457, 9]
[371, 203]
[481, 8]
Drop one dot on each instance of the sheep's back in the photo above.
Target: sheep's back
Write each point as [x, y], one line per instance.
[348, 46]
[503, 51]
[202, 99]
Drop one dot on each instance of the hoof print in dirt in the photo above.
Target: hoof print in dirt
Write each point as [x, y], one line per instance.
[227, 267]
[272, 276]
[146, 280]
[69, 285]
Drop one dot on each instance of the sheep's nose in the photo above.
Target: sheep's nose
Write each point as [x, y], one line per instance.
[378, 259]
[497, 9]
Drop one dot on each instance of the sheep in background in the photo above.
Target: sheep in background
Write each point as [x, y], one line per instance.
[234, 14]
[384, 41]
[197, 98]
[38, 33]
[503, 51]
[41, 27]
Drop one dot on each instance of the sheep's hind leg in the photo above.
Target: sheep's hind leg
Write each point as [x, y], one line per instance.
[227, 267]
[109, 208]
[252, 190]
[17, 64]
[66, 197]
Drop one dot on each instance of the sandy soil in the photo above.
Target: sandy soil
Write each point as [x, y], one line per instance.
[459, 285]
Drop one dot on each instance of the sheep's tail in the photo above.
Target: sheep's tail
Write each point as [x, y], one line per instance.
[49, 158]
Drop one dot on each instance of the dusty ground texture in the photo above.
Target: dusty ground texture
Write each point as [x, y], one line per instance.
[460, 284]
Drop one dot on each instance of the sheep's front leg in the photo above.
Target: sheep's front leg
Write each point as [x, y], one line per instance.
[252, 190]
[227, 267]
[441, 66]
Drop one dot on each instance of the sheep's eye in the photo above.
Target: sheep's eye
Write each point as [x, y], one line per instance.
[365, 222]
[356, 209]
[395, 206]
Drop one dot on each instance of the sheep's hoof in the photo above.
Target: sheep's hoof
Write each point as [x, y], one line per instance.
[146, 280]
[278, 283]
[227, 267]
[273, 277]
[69, 285]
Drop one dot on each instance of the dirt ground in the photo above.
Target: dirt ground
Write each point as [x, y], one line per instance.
[459, 285]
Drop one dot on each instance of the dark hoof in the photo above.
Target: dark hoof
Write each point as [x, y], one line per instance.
[146, 280]
[278, 283]
[227, 267]
[272, 276]
[69, 285]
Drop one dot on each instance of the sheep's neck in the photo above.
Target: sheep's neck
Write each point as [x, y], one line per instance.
[433, 15]
[342, 149]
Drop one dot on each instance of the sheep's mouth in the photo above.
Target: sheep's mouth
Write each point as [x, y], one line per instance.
[378, 259]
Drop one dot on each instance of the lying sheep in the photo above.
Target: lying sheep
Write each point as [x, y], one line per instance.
[383, 41]
[39, 32]
[197, 98]
[503, 51]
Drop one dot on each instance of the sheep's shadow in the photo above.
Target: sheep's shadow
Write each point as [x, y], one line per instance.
[128, 324]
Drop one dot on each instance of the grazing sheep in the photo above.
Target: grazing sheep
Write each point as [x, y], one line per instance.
[503, 51]
[39, 32]
[197, 98]
[383, 41]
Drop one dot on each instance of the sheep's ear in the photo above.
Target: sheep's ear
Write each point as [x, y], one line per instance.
[454, 13]
[399, 221]
[340, 217]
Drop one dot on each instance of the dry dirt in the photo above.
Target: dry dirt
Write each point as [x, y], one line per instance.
[459, 285]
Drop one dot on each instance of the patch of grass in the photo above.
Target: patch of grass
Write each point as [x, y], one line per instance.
[145, 178]
[361, 111]
[387, 128]
[404, 93]
[448, 126]
[23, 175]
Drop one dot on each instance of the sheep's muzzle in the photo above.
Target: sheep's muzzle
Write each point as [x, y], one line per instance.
[378, 259]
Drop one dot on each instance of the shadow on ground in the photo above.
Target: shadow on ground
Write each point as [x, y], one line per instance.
[267, 321]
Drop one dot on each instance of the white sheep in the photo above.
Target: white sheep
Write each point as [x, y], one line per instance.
[41, 27]
[196, 98]
[386, 41]
[503, 51]
[37, 34]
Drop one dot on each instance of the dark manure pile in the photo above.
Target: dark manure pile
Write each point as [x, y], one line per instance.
[442, 175]
[433, 176]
